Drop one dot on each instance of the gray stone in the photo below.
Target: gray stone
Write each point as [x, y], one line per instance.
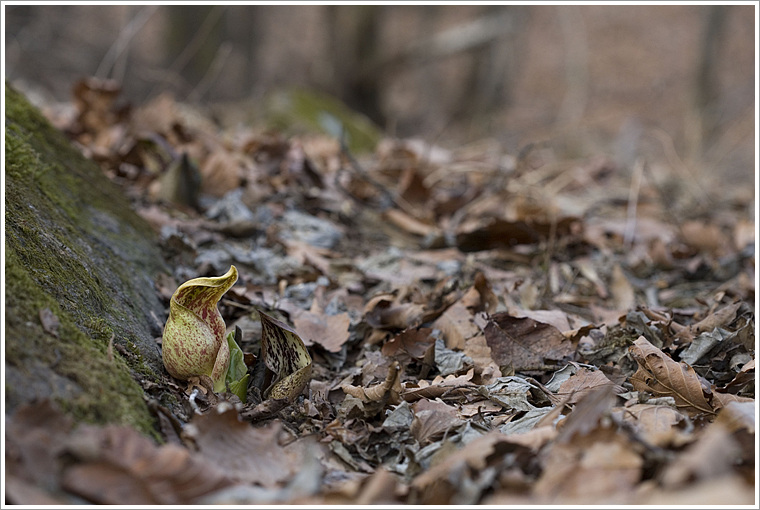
[76, 248]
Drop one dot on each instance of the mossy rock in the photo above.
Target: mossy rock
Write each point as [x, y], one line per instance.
[303, 111]
[74, 246]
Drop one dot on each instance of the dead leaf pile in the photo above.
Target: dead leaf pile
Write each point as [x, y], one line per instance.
[482, 328]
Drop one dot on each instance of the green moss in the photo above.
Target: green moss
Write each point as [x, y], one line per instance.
[110, 396]
[73, 245]
[308, 111]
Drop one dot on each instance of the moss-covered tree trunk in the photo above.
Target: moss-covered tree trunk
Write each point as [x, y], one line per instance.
[76, 252]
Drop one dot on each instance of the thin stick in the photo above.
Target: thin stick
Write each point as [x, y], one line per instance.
[633, 200]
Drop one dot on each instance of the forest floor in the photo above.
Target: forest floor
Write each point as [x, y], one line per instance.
[484, 328]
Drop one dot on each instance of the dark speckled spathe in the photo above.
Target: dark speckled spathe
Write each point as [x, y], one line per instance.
[285, 354]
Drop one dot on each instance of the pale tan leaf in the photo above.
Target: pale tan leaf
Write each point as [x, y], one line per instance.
[477, 349]
[329, 331]
[656, 423]
[738, 415]
[622, 290]
[413, 341]
[720, 318]
[456, 326]
[663, 377]
[582, 383]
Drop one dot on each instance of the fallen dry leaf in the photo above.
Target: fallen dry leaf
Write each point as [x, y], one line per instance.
[50, 321]
[245, 453]
[391, 386]
[34, 438]
[456, 325]
[712, 456]
[433, 418]
[720, 318]
[122, 467]
[384, 312]
[478, 350]
[656, 423]
[583, 382]
[328, 331]
[605, 468]
[437, 484]
[413, 341]
[702, 236]
[659, 375]
[622, 291]
[525, 344]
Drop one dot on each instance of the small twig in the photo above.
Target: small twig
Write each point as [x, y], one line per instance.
[264, 410]
[633, 201]
[109, 351]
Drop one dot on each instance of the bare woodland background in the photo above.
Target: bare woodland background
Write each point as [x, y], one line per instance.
[665, 81]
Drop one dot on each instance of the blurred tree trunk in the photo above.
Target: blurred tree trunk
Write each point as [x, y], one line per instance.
[354, 42]
[244, 27]
[704, 117]
[489, 85]
[193, 37]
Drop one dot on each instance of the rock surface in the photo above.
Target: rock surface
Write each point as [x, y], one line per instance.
[81, 311]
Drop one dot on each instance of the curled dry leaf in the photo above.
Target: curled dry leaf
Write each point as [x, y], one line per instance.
[437, 387]
[194, 342]
[385, 312]
[720, 318]
[377, 392]
[663, 377]
[285, 354]
[745, 377]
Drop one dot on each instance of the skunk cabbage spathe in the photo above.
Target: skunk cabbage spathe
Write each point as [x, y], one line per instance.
[194, 342]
